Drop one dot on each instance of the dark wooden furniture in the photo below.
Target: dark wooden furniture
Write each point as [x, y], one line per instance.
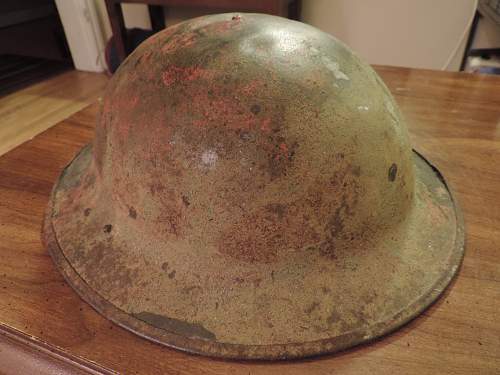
[284, 8]
[32, 43]
[453, 120]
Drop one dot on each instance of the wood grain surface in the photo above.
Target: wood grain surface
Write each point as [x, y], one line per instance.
[27, 112]
[454, 120]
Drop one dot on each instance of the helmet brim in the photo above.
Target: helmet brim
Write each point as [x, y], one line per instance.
[311, 305]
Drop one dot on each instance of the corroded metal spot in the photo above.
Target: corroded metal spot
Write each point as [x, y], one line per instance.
[393, 170]
[236, 202]
[175, 325]
[132, 213]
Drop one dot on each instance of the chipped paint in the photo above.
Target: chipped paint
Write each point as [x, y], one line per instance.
[209, 158]
[334, 67]
[175, 74]
[176, 325]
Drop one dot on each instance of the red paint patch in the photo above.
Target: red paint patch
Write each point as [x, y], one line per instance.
[200, 123]
[265, 126]
[176, 74]
[179, 41]
[133, 101]
[283, 152]
[251, 88]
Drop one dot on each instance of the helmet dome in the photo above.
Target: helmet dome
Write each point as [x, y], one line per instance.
[255, 138]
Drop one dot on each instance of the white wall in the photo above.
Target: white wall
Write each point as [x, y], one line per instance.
[415, 33]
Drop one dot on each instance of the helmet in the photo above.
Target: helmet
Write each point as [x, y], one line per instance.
[251, 192]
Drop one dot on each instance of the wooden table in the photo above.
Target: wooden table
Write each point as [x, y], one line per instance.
[454, 120]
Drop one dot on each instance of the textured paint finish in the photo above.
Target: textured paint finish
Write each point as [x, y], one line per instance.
[237, 201]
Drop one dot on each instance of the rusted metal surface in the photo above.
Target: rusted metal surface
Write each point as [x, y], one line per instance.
[251, 193]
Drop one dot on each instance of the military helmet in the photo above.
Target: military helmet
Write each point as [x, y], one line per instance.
[252, 193]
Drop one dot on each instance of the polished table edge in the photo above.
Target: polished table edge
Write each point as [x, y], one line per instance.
[45, 356]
